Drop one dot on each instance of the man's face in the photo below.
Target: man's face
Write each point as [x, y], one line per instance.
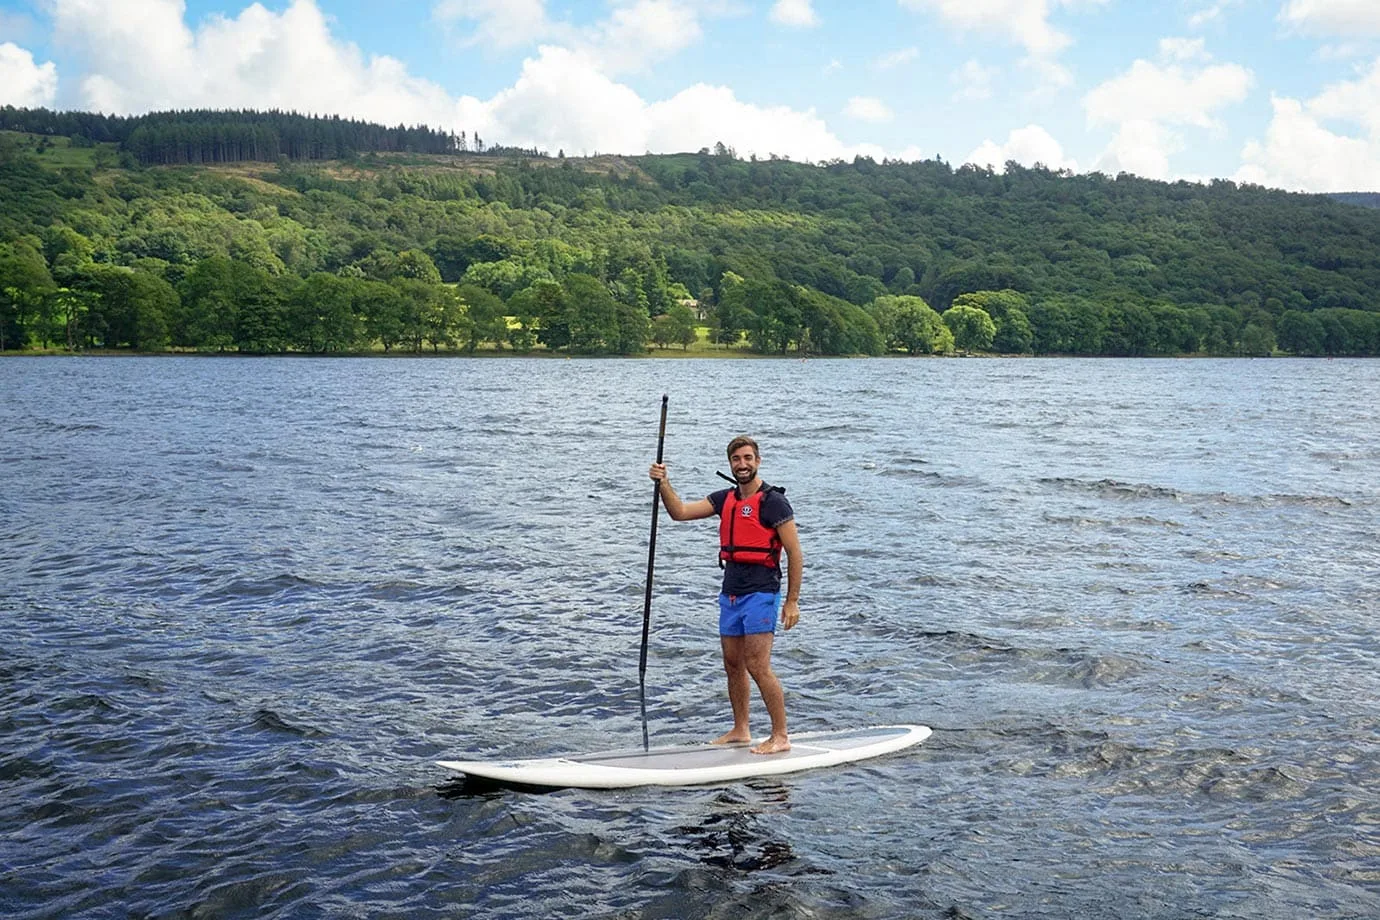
[744, 462]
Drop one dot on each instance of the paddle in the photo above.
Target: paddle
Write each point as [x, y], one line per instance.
[651, 562]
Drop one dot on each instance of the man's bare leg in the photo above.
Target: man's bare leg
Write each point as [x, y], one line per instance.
[757, 662]
[735, 666]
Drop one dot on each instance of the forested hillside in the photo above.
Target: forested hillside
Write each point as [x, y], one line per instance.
[207, 136]
[389, 244]
[1364, 199]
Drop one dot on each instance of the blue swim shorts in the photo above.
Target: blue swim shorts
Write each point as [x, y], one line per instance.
[747, 614]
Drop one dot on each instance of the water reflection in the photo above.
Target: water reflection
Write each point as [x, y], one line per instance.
[737, 833]
[480, 787]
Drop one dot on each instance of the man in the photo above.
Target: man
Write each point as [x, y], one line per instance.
[755, 524]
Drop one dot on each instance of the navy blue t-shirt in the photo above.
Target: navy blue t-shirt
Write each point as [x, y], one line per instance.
[749, 577]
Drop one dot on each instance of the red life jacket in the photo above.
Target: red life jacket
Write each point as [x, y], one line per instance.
[742, 535]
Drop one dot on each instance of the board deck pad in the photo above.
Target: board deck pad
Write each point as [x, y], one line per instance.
[695, 764]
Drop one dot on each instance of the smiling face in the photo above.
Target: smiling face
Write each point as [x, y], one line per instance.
[743, 459]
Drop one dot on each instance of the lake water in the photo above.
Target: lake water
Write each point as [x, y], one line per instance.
[247, 603]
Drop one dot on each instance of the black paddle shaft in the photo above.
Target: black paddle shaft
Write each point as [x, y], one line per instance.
[651, 564]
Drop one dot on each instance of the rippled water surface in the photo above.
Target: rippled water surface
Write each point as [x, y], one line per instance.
[246, 603]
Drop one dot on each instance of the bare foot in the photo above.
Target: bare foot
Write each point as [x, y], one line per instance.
[733, 737]
[773, 745]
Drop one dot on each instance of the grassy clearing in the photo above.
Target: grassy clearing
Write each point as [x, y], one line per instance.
[701, 348]
[55, 152]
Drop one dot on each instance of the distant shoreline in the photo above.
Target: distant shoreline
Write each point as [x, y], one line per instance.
[736, 355]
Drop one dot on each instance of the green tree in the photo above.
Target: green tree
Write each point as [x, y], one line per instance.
[130, 309]
[545, 309]
[834, 326]
[1088, 327]
[504, 278]
[1301, 333]
[634, 329]
[628, 289]
[776, 317]
[675, 327]
[1223, 330]
[1176, 331]
[661, 334]
[25, 284]
[971, 275]
[1014, 335]
[321, 314]
[1257, 340]
[445, 318]
[488, 321]
[1130, 331]
[731, 310]
[1363, 327]
[908, 323]
[417, 265]
[66, 251]
[996, 304]
[251, 246]
[972, 328]
[209, 314]
[430, 313]
[384, 311]
[453, 255]
[594, 319]
[263, 319]
[68, 308]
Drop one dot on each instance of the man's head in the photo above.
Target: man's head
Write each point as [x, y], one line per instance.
[743, 458]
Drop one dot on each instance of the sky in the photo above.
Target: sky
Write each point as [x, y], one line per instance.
[1283, 93]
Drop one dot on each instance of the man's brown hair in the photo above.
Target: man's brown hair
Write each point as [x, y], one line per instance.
[743, 441]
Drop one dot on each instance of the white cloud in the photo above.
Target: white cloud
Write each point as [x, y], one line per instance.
[1205, 16]
[1050, 75]
[1343, 51]
[1151, 99]
[564, 101]
[1214, 12]
[797, 13]
[893, 59]
[867, 108]
[642, 33]
[24, 83]
[143, 40]
[974, 80]
[1357, 101]
[689, 120]
[1299, 153]
[1143, 147]
[1170, 93]
[141, 55]
[1333, 17]
[1023, 22]
[499, 23]
[1184, 50]
[635, 34]
[1300, 150]
[1027, 146]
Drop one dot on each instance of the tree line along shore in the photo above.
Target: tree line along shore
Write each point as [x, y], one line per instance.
[278, 233]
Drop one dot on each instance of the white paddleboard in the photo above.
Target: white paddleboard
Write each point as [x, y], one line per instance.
[690, 765]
